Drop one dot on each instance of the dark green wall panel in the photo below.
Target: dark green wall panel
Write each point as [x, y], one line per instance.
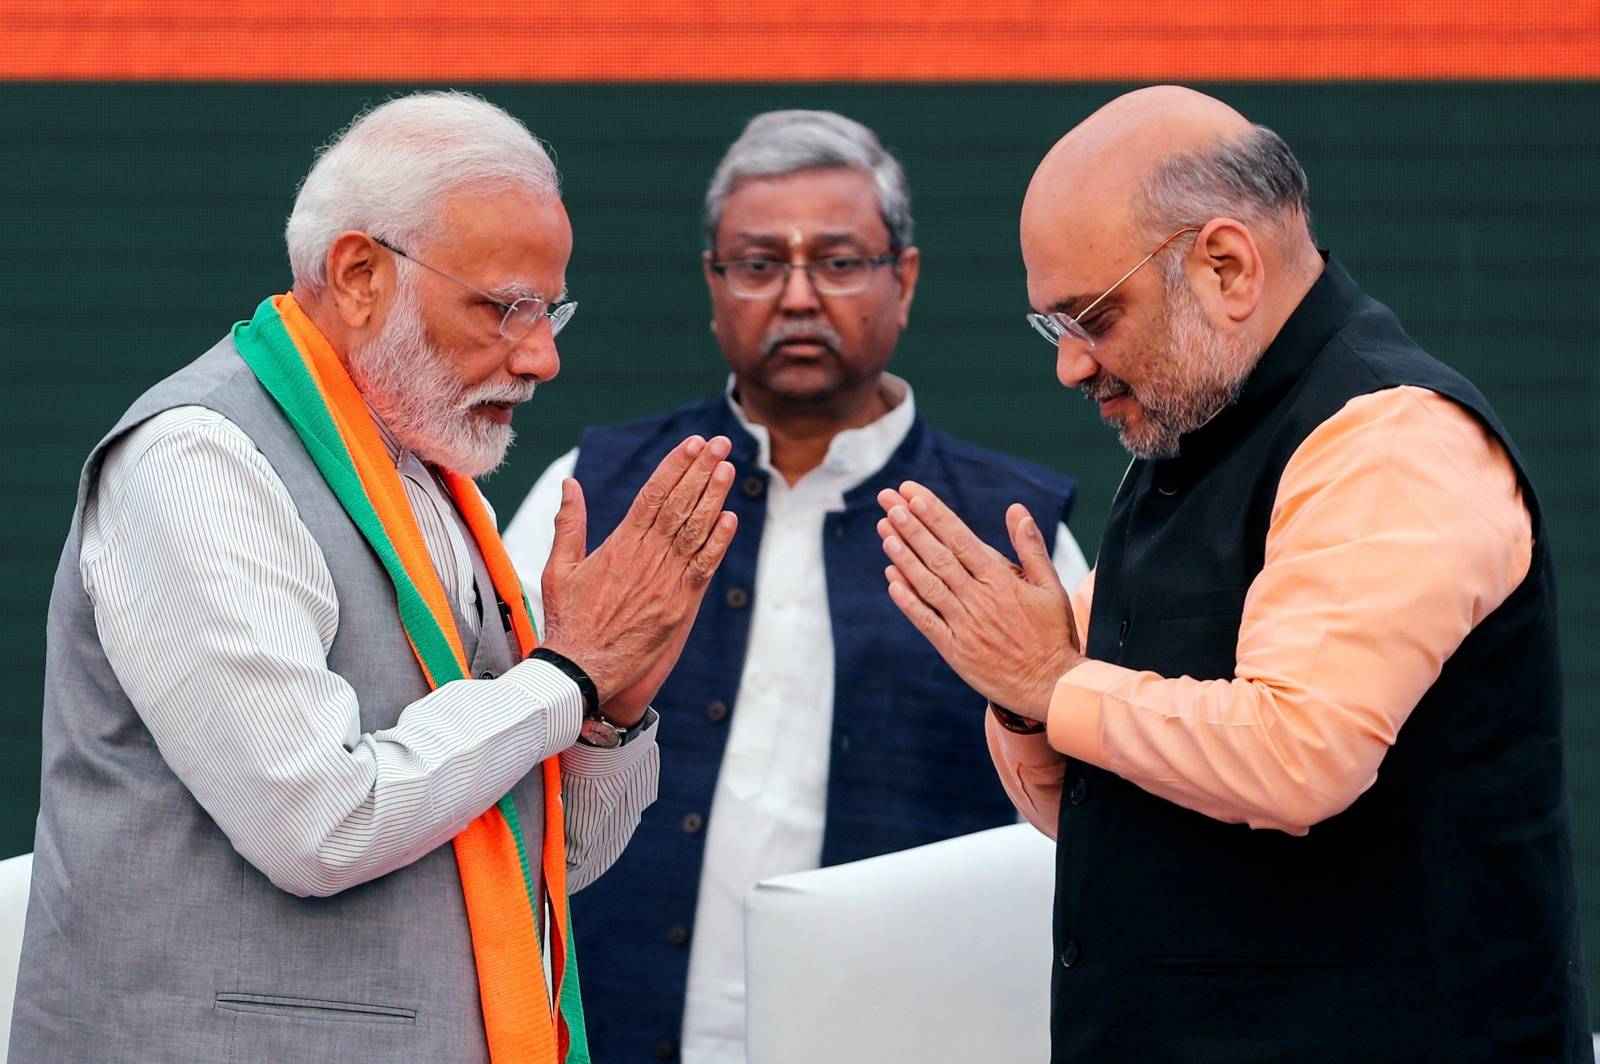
[138, 221]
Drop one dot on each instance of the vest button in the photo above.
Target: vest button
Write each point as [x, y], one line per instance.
[692, 823]
[1069, 954]
[1080, 791]
[486, 675]
[737, 597]
[753, 487]
[666, 1049]
[1122, 632]
[717, 711]
[677, 934]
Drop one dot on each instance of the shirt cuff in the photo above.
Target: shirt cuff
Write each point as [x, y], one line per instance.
[1076, 710]
[548, 686]
[598, 762]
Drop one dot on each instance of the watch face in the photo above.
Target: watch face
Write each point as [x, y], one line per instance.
[598, 732]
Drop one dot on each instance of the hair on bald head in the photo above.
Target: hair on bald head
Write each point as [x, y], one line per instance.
[780, 143]
[1253, 177]
[392, 170]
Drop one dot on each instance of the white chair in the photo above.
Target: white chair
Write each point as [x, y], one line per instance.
[939, 955]
[15, 874]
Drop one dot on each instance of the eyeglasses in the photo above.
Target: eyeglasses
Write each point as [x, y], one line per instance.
[835, 275]
[1057, 324]
[517, 317]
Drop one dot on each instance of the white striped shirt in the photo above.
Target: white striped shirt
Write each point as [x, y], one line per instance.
[216, 609]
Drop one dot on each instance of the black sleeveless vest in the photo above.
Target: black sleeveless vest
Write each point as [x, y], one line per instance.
[1436, 917]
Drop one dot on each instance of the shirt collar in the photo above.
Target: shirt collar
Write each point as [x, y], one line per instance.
[398, 453]
[853, 454]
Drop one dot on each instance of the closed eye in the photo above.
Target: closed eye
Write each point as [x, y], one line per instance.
[1097, 325]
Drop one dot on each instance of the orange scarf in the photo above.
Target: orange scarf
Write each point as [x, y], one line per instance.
[298, 367]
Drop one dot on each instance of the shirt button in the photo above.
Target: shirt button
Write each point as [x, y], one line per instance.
[666, 1049]
[737, 597]
[1069, 954]
[677, 934]
[753, 487]
[717, 711]
[692, 822]
[1080, 791]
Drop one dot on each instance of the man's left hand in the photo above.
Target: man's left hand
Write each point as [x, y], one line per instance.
[1008, 632]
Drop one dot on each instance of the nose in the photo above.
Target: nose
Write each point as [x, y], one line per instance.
[535, 354]
[799, 295]
[1075, 363]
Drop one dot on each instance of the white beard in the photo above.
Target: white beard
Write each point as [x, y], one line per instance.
[411, 386]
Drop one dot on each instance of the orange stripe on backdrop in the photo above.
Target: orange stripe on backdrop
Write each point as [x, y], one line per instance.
[820, 40]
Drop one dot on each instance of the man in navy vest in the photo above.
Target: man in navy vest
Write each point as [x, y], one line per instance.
[812, 725]
[1304, 766]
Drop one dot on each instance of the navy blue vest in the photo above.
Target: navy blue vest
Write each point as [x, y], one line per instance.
[1435, 918]
[908, 763]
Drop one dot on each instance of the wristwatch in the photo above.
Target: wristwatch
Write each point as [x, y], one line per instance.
[596, 729]
[1015, 722]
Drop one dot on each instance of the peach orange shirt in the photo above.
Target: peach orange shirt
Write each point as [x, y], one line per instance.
[1398, 526]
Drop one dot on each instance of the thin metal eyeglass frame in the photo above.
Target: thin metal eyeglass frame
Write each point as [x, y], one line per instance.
[1051, 326]
[720, 268]
[559, 315]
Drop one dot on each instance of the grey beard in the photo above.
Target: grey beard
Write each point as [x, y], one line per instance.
[1207, 373]
[411, 386]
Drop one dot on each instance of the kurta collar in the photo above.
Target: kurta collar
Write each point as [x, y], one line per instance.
[398, 453]
[854, 454]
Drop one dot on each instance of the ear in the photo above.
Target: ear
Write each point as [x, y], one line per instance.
[906, 269]
[706, 259]
[1226, 270]
[361, 278]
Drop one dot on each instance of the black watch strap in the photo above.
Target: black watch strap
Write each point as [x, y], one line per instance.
[1015, 722]
[575, 673]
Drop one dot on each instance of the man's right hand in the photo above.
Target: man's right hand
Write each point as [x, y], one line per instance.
[622, 612]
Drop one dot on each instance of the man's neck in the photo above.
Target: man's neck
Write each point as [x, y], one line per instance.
[1300, 273]
[326, 318]
[800, 434]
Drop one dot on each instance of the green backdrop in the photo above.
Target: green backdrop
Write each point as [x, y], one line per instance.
[137, 221]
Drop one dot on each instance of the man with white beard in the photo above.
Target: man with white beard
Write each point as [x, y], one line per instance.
[314, 788]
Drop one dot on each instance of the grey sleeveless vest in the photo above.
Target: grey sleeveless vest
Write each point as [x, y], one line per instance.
[148, 937]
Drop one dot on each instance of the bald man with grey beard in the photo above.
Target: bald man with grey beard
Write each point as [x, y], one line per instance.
[1298, 737]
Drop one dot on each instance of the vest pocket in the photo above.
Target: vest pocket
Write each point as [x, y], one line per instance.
[314, 1009]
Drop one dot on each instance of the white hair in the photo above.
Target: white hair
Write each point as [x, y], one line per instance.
[786, 142]
[390, 173]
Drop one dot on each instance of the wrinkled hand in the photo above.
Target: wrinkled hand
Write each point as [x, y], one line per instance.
[1008, 632]
[623, 613]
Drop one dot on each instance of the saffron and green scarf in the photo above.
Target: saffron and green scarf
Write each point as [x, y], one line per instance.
[298, 367]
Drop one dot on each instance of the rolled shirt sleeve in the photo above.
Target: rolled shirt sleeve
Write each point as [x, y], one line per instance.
[216, 609]
[1399, 524]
